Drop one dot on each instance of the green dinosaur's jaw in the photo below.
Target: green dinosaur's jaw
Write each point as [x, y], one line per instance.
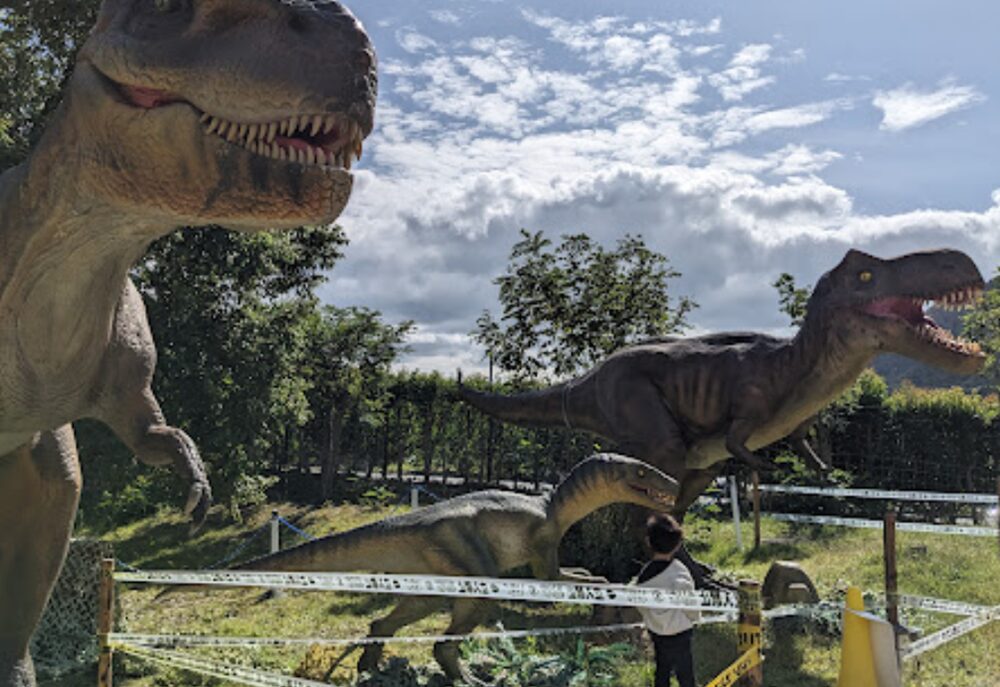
[908, 311]
[654, 496]
[325, 140]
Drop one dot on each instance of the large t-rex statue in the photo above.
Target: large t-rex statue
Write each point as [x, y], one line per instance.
[687, 404]
[240, 113]
[484, 533]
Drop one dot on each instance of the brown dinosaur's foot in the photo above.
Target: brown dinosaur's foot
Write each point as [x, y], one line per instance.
[16, 672]
[447, 657]
[199, 500]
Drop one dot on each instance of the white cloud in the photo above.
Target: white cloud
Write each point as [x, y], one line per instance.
[413, 41]
[445, 17]
[743, 75]
[907, 107]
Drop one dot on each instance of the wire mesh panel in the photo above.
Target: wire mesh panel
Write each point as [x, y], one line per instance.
[66, 638]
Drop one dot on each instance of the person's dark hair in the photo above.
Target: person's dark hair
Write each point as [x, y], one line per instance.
[664, 533]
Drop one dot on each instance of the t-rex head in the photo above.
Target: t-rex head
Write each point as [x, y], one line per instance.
[878, 305]
[242, 113]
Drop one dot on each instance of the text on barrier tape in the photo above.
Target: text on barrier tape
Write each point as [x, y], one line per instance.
[877, 524]
[442, 585]
[933, 641]
[740, 667]
[225, 671]
[986, 499]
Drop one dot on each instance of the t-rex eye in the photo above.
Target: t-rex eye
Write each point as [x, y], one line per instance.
[865, 276]
[641, 472]
[167, 5]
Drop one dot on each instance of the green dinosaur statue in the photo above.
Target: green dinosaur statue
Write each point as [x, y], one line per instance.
[687, 404]
[239, 113]
[484, 533]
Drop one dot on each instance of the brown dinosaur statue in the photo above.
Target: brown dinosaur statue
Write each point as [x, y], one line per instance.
[483, 533]
[239, 113]
[685, 405]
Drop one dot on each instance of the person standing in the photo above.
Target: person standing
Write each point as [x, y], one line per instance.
[670, 629]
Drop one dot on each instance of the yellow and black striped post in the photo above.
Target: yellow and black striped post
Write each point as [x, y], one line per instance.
[748, 631]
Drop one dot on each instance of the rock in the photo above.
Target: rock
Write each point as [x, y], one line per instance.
[787, 583]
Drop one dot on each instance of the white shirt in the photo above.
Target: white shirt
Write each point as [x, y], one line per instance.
[668, 621]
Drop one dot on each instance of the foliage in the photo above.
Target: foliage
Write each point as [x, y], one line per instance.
[563, 308]
[38, 41]
[982, 325]
[791, 299]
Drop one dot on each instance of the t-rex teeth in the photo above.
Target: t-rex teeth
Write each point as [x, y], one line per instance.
[317, 124]
[310, 155]
[272, 131]
[330, 123]
[305, 121]
[205, 117]
[283, 127]
[213, 125]
[252, 133]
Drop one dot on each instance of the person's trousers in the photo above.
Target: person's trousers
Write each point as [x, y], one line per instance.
[673, 655]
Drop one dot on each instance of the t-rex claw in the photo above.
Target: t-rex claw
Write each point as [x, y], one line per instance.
[198, 503]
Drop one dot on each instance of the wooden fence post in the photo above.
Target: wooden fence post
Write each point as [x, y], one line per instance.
[889, 555]
[105, 621]
[748, 632]
[756, 510]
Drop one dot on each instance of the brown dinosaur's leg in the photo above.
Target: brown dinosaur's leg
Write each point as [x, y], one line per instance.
[692, 484]
[465, 616]
[408, 611]
[39, 493]
[138, 421]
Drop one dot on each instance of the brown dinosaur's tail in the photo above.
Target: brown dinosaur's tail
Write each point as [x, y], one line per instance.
[542, 408]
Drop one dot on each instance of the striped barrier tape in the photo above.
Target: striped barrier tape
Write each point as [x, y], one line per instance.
[940, 605]
[740, 667]
[442, 585]
[217, 669]
[936, 639]
[202, 641]
[986, 499]
[877, 524]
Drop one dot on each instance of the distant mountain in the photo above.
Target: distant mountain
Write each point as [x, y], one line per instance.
[896, 369]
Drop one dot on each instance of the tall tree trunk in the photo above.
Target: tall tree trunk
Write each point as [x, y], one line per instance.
[401, 434]
[330, 456]
[427, 442]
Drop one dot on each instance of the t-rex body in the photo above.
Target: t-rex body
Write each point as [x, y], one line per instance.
[483, 533]
[687, 404]
[239, 113]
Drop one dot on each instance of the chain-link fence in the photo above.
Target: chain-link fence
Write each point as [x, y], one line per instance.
[66, 639]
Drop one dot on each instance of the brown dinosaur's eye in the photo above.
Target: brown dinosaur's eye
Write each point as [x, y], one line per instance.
[865, 276]
[167, 5]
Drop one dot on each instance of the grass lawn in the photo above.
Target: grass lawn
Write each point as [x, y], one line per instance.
[947, 567]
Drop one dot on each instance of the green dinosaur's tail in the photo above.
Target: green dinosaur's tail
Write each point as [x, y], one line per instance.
[382, 546]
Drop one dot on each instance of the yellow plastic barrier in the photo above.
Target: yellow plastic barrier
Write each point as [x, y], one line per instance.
[868, 652]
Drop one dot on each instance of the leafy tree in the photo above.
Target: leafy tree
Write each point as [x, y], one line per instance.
[982, 325]
[38, 41]
[792, 300]
[565, 307]
[349, 352]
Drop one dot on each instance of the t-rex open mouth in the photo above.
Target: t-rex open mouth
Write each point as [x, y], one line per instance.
[910, 310]
[332, 140]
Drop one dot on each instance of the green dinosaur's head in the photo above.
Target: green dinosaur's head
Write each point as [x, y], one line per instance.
[878, 305]
[243, 113]
[622, 479]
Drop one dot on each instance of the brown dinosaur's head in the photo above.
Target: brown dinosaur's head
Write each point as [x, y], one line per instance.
[880, 305]
[622, 479]
[242, 113]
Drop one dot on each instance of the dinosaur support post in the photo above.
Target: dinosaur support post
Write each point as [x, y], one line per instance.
[483, 533]
[240, 113]
[686, 405]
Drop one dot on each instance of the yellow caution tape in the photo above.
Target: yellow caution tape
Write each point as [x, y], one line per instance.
[740, 667]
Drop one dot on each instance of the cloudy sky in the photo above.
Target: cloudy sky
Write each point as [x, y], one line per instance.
[741, 139]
